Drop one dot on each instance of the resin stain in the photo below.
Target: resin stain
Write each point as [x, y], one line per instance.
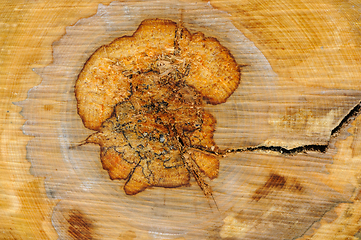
[80, 227]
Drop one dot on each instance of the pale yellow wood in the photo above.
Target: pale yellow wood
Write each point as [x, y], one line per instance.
[27, 32]
[312, 48]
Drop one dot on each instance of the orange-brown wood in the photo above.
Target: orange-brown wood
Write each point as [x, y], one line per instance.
[301, 77]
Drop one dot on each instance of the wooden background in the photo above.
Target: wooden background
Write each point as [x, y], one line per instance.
[312, 47]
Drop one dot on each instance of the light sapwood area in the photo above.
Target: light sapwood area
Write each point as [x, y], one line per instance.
[293, 126]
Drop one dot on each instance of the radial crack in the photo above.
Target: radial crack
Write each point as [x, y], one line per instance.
[322, 148]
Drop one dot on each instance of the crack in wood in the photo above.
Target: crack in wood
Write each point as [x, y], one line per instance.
[322, 148]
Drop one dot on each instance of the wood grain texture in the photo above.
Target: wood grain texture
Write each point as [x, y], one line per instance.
[28, 30]
[301, 79]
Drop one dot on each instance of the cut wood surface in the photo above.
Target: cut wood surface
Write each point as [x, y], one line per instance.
[292, 169]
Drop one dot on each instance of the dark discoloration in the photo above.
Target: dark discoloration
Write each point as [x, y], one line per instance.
[277, 182]
[295, 187]
[80, 226]
[274, 181]
[48, 107]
